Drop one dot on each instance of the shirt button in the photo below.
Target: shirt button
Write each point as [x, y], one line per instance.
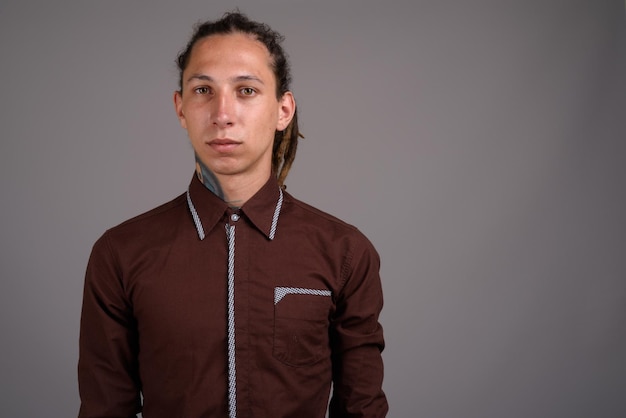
[234, 217]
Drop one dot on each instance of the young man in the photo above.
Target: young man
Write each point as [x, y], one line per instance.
[234, 299]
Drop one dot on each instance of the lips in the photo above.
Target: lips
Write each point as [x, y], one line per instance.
[224, 145]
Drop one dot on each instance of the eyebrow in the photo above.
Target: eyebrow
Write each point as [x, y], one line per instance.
[243, 77]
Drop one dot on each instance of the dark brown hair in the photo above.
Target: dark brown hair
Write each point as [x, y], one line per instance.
[285, 142]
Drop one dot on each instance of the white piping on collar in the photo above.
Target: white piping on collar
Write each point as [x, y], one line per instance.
[198, 223]
[196, 218]
[279, 205]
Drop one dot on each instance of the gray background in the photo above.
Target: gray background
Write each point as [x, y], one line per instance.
[479, 144]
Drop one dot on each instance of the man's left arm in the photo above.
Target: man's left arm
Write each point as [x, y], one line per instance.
[357, 340]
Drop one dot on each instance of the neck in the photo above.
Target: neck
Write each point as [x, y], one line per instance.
[234, 190]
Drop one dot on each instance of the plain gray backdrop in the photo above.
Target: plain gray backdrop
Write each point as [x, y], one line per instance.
[480, 145]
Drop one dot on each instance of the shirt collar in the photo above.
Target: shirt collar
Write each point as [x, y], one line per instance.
[262, 209]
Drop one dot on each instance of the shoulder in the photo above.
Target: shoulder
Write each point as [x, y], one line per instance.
[148, 227]
[296, 207]
[156, 215]
[320, 223]
[335, 240]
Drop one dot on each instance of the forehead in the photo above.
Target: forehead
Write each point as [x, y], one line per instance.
[235, 51]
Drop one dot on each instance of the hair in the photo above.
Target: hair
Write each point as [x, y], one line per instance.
[285, 142]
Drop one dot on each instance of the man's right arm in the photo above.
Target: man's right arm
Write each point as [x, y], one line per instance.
[108, 375]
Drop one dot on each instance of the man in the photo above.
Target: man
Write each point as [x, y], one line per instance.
[234, 299]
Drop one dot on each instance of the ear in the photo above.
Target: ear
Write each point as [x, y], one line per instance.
[286, 110]
[178, 106]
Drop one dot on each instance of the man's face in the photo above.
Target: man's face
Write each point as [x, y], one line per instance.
[229, 107]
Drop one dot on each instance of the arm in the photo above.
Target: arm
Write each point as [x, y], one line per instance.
[357, 341]
[108, 376]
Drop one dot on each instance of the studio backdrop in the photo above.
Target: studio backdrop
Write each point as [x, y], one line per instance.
[480, 145]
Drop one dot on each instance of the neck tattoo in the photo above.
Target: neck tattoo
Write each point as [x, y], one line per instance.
[207, 178]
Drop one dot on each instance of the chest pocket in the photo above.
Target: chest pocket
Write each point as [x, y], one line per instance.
[301, 320]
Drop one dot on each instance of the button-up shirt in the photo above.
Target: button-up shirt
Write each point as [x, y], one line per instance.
[196, 309]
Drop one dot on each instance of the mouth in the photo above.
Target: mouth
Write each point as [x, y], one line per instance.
[223, 145]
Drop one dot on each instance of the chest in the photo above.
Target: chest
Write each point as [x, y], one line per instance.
[179, 289]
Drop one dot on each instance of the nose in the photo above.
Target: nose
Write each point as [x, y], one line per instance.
[223, 110]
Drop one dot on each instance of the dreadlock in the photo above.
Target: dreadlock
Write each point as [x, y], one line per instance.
[284, 151]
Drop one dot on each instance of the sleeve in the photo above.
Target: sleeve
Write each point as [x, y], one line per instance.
[108, 377]
[357, 340]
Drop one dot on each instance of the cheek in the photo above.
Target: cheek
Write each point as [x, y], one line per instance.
[273, 122]
[264, 120]
[197, 118]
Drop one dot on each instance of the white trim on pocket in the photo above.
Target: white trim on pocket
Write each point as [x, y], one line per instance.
[281, 292]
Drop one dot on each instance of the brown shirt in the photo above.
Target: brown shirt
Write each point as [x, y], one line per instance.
[271, 302]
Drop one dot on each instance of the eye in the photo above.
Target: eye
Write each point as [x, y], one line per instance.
[201, 90]
[247, 91]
